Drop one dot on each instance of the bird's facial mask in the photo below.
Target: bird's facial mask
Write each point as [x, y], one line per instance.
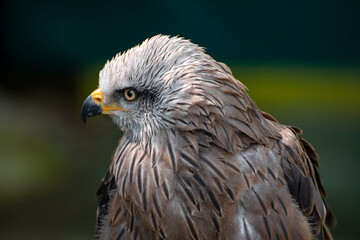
[93, 105]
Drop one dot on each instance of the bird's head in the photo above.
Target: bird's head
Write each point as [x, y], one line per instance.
[164, 83]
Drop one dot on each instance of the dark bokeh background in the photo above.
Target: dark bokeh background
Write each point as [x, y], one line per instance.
[300, 60]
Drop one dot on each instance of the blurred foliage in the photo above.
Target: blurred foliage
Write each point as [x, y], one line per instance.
[324, 90]
[299, 60]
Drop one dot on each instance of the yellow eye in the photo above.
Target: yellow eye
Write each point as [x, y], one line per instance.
[129, 94]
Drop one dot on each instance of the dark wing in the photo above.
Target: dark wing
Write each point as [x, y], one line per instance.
[110, 213]
[104, 195]
[300, 166]
[330, 220]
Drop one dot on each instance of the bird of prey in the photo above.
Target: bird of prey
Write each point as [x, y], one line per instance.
[198, 159]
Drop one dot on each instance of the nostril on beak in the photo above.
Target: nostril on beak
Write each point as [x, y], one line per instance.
[97, 96]
[97, 99]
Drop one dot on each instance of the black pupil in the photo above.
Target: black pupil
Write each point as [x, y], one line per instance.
[130, 93]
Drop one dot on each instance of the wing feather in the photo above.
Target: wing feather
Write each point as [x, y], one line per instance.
[300, 165]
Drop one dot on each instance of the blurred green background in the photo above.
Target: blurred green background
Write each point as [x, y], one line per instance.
[299, 59]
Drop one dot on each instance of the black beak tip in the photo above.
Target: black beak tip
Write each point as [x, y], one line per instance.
[89, 109]
[83, 118]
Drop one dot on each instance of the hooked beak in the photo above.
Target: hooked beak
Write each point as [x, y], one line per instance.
[93, 105]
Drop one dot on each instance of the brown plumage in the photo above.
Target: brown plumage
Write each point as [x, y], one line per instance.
[198, 159]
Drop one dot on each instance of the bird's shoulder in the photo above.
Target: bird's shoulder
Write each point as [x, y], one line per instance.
[299, 164]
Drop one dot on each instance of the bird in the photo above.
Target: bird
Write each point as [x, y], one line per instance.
[198, 159]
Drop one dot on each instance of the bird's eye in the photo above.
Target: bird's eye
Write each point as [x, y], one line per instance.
[129, 94]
